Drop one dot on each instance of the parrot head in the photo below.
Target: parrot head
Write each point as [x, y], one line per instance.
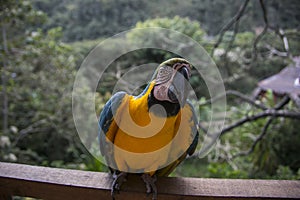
[171, 84]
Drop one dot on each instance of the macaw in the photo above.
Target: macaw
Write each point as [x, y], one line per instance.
[130, 126]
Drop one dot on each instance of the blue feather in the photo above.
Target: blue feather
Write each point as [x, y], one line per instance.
[106, 117]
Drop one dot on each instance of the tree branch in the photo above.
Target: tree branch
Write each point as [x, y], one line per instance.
[259, 138]
[229, 46]
[285, 42]
[236, 94]
[4, 81]
[259, 37]
[200, 126]
[267, 113]
[296, 99]
[264, 130]
[282, 103]
[30, 129]
[227, 26]
[276, 52]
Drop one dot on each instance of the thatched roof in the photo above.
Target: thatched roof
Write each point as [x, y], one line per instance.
[286, 82]
[283, 82]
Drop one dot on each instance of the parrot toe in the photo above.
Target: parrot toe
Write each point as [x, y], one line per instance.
[118, 180]
[150, 185]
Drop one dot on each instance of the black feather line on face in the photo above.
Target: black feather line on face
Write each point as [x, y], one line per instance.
[172, 109]
[164, 74]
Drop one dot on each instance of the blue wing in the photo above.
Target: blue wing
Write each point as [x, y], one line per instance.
[105, 125]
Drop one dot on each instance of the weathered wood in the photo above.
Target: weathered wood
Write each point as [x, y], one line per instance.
[53, 183]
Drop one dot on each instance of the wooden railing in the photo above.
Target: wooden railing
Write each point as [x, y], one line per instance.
[53, 183]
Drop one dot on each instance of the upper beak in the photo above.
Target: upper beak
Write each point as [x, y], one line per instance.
[178, 90]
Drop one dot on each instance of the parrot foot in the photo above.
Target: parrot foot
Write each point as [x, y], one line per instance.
[118, 180]
[150, 185]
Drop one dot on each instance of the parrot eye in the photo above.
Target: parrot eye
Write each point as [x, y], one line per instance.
[185, 72]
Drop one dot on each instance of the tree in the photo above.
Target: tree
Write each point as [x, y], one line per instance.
[92, 19]
[255, 125]
[38, 71]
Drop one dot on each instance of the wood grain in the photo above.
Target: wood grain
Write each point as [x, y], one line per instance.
[54, 183]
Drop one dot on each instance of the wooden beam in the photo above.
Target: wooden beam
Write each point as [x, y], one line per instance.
[53, 183]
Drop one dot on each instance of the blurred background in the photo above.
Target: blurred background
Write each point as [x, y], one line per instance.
[255, 45]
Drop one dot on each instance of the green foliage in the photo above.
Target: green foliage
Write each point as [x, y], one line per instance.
[182, 25]
[142, 56]
[178, 24]
[41, 109]
[293, 38]
[274, 157]
[219, 170]
[91, 19]
[237, 64]
[203, 168]
[40, 69]
[285, 173]
[17, 12]
[244, 39]
[39, 76]
[192, 168]
[286, 145]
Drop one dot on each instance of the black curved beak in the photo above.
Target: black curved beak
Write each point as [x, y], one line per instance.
[178, 91]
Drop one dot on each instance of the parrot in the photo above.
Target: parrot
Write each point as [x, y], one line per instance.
[152, 133]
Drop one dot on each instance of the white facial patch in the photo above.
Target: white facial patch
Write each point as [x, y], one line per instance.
[164, 74]
[164, 78]
[161, 92]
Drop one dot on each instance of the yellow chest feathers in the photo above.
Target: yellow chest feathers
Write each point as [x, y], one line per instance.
[140, 130]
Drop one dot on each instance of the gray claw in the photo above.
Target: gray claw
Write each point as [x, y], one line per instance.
[118, 180]
[150, 185]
